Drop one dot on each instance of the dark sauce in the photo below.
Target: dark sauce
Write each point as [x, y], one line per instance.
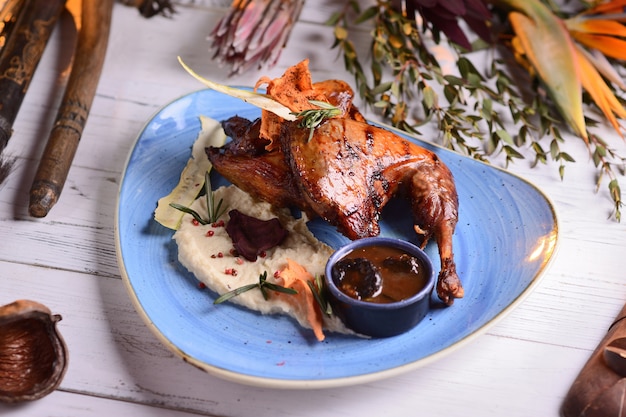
[379, 274]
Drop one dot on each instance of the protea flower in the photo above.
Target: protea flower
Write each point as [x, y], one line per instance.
[254, 32]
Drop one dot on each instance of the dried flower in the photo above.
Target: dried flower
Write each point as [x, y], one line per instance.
[442, 16]
[254, 32]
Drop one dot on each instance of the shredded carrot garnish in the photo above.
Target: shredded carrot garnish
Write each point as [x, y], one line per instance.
[296, 276]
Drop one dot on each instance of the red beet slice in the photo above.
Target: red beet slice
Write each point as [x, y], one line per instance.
[251, 236]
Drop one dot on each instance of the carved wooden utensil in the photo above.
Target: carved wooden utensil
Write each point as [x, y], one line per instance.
[24, 40]
[93, 36]
[600, 388]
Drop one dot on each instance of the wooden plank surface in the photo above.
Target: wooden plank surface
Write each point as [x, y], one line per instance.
[523, 366]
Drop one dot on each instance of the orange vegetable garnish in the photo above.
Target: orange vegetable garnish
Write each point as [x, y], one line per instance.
[296, 276]
[295, 90]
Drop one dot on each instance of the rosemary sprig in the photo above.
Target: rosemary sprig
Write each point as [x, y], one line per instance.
[214, 211]
[312, 118]
[317, 289]
[262, 285]
[187, 210]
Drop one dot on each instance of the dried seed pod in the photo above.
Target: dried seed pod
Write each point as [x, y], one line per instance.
[599, 388]
[615, 355]
[33, 355]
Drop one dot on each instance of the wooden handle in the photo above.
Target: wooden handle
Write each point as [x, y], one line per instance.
[75, 106]
[21, 55]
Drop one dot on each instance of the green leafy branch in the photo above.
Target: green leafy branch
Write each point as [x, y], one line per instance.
[474, 109]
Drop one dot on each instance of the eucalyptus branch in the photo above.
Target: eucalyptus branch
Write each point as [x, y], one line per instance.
[601, 155]
[497, 112]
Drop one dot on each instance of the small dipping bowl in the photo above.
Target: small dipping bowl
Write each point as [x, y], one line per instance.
[380, 319]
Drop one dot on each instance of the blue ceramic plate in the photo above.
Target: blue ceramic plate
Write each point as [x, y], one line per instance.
[505, 238]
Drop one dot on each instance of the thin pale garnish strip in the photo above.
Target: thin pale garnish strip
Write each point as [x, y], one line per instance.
[262, 101]
[192, 178]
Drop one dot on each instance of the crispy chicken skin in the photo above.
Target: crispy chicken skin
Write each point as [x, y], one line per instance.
[244, 161]
[345, 172]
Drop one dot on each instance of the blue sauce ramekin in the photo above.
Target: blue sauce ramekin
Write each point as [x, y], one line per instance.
[380, 319]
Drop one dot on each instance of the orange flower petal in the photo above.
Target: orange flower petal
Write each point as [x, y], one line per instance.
[543, 36]
[604, 67]
[600, 92]
[614, 6]
[596, 26]
[613, 47]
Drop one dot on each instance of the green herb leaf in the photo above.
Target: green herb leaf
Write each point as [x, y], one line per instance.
[189, 211]
[262, 285]
[314, 117]
[279, 288]
[227, 296]
[317, 290]
[214, 212]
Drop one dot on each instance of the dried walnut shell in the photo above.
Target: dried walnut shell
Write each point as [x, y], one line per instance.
[33, 355]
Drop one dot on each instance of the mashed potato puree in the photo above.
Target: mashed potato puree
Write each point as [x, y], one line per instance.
[207, 252]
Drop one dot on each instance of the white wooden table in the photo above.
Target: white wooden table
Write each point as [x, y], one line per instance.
[523, 366]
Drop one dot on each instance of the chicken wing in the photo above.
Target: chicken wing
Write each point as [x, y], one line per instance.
[245, 162]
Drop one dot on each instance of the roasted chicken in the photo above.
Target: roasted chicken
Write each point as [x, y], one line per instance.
[345, 172]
